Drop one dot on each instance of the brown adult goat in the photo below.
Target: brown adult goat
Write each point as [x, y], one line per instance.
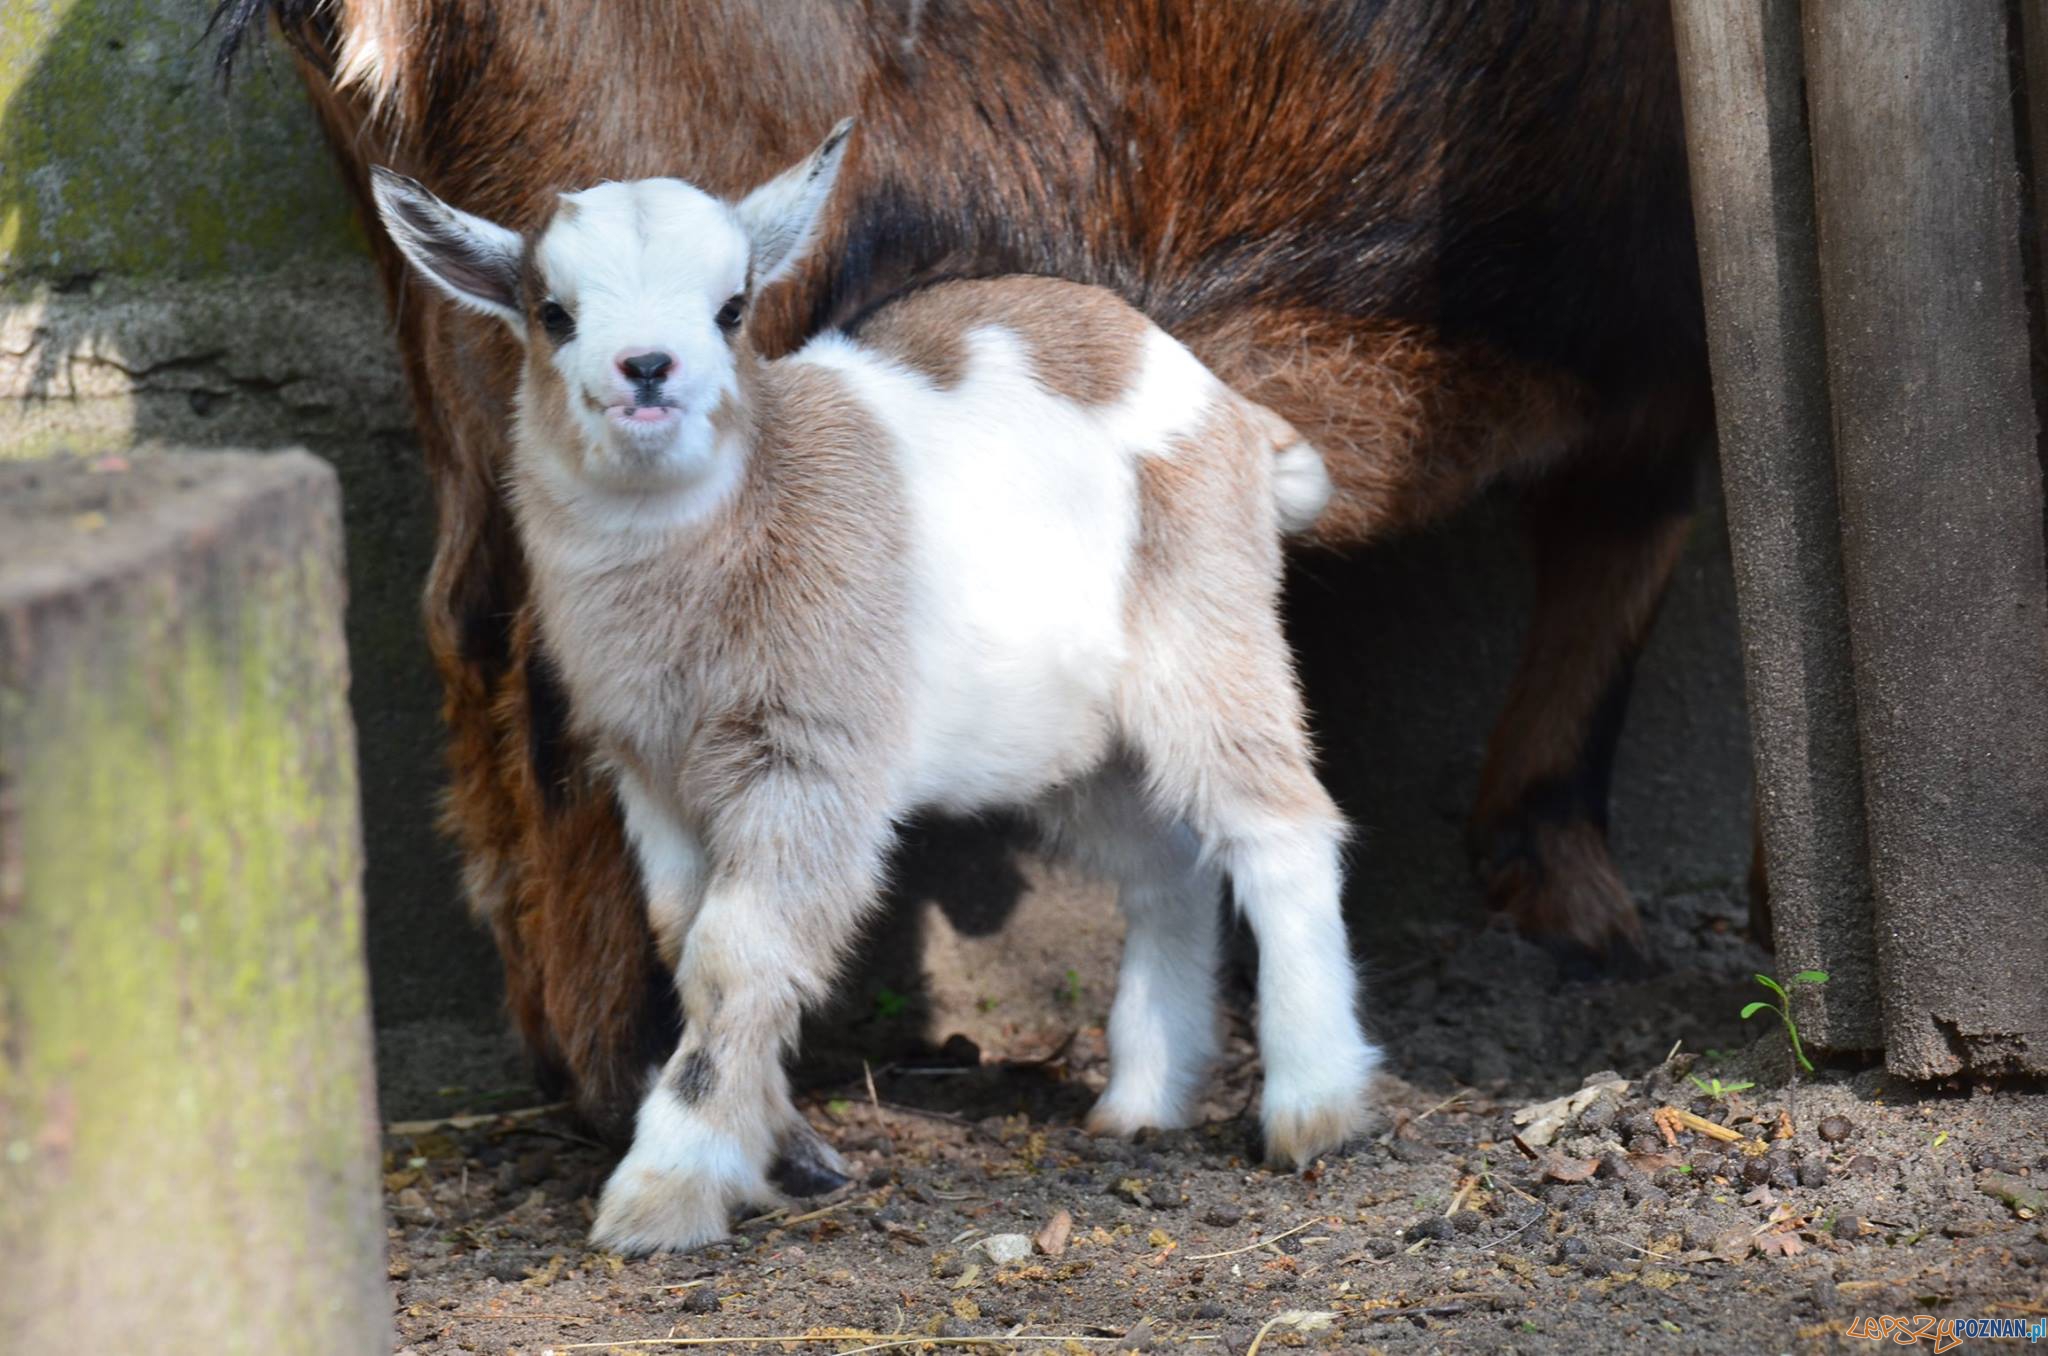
[1451, 242]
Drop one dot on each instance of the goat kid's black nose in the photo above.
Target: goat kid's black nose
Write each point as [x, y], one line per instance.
[649, 366]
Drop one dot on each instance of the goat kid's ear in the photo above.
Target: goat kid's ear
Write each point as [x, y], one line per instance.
[781, 216]
[474, 261]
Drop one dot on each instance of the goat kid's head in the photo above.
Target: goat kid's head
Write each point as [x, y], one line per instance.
[630, 303]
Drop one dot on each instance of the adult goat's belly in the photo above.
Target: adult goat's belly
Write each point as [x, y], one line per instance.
[1022, 539]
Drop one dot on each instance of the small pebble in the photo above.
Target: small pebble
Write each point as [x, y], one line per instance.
[1701, 1231]
[702, 1300]
[1568, 1248]
[1430, 1226]
[1813, 1172]
[1970, 1228]
[1002, 1249]
[1223, 1215]
[1835, 1129]
[1412, 1151]
[1599, 1115]
[1756, 1171]
[1467, 1221]
[508, 1269]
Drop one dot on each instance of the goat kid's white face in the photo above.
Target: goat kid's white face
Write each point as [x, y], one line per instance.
[635, 294]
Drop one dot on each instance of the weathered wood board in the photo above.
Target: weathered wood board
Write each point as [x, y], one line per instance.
[1741, 78]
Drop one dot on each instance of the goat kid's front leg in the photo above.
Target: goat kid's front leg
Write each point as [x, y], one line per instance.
[712, 1124]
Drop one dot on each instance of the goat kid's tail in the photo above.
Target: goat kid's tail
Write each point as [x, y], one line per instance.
[1301, 483]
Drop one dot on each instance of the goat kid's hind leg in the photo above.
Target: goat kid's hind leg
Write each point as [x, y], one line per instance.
[1162, 1025]
[1214, 713]
[1245, 776]
[711, 1126]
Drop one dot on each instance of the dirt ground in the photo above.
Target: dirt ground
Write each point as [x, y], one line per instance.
[1829, 1204]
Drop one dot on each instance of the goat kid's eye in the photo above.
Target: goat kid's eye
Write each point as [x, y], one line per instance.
[730, 313]
[559, 324]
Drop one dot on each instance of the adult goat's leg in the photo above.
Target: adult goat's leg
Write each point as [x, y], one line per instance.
[1606, 533]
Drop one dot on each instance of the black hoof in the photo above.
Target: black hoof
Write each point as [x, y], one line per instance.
[805, 1165]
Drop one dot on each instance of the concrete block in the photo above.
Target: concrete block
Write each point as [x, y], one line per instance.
[188, 1149]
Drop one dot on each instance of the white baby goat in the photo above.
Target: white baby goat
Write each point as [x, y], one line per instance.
[1007, 545]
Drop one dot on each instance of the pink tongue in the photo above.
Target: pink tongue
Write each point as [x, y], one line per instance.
[648, 414]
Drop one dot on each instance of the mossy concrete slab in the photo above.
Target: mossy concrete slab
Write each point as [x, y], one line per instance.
[119, 153]
[188, 1152]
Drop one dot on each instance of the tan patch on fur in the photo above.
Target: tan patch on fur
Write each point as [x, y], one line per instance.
[1085, 343]
[1205, 578]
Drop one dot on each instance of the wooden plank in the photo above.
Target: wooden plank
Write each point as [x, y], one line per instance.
[1918, 187]
[188, 1151]
[1740, 77]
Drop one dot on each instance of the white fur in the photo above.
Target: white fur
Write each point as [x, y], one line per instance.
[672, 866]
[1162, 1026]
[1301, 487]
[682, 1179]
[1021, 549]
[645, 265]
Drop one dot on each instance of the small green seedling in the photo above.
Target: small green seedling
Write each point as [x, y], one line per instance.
[1783, 1007]
[1069, 991]
[1715, 1088]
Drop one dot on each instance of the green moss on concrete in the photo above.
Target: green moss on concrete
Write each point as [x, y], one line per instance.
[181, 980]
[119, 153]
